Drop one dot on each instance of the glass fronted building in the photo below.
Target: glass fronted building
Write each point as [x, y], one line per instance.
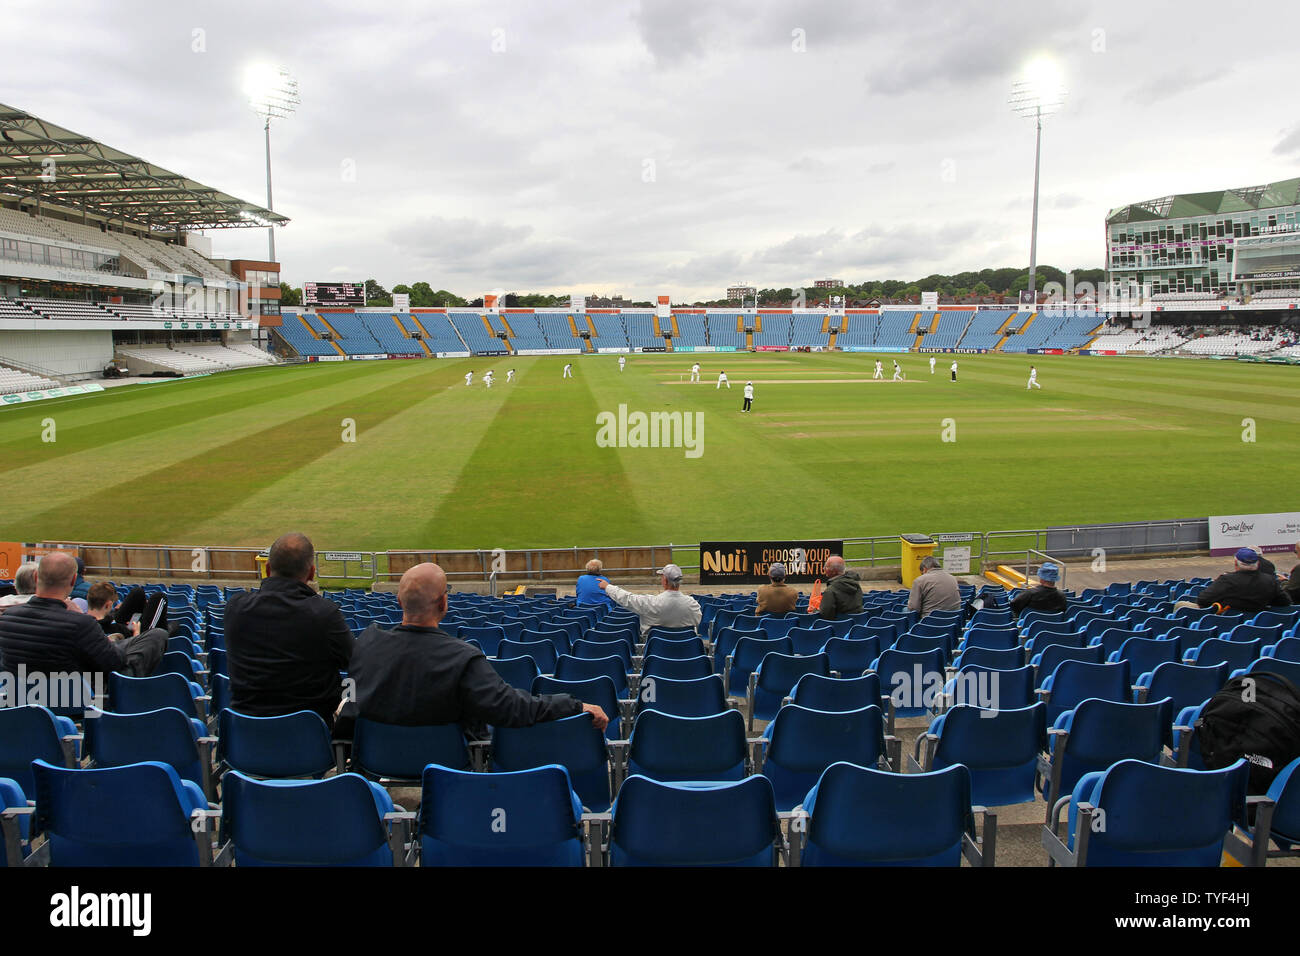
[1229, 242]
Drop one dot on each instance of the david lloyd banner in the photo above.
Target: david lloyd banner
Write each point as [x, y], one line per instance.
[746, 562]
[1275, 532]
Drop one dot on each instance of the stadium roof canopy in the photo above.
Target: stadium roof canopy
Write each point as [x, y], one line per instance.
[1193, 205]
[108, 183]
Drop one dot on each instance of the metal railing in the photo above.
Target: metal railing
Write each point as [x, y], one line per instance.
[541, 564]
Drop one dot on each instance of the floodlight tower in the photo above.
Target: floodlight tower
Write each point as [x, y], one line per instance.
[1040, 92]
[271, 92]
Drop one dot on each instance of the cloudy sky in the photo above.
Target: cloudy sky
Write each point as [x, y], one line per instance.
[670, 146]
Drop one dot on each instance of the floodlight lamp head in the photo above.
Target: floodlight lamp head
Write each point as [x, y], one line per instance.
[271, 91]
[1041, 89]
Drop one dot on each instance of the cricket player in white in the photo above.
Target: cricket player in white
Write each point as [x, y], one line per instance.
[487, 378]
[953, 369]
[510, 376]
[880, 370]
[1033, 378]
[568, 371]
[622, 360]
[898, 372]
[469, 378]
[695, 372]
[931, 364]
[722, 380]
[749, 396]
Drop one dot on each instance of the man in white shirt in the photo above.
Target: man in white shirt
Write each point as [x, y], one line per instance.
[487, 378]
[953, 369]
[695, 372]
[722, 380]
[880, 370]
[510, 376]
[669, 608]
[622, 361]
[1033, 378]
[469, 378]
[568, 371]
[898, 372]
[749, 396]
[932, 364]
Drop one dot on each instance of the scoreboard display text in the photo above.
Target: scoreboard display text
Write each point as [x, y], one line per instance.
[341, 294]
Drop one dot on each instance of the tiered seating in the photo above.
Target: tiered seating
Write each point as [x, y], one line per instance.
[983, 330]
[222, 356]
[133, 310]
[476, 336]
[611, 333]
[892, 330]
[384, 331]
[946, 332]
[1204, 297]
[777, 330]
[836, 768]
[806, 331]
[860, 330]
[1276, 294]
[65, 309]
[440, 336]
[556, 331]
[10, 309]
[640, 330]
[1053, 329]
[1233, 343]
[722, 329]
[172, 359]
[353, 336]
[14, 380]
[691, 330]
[294, 331]
[528, 334]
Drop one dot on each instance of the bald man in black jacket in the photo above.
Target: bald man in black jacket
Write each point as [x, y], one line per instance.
[418, 675]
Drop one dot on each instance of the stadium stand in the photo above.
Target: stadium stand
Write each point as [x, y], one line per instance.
[982, 333]
[1086, 736]
[1275, 294]
[892, 330]
[641, 330]
[385, 331]
[1054, 330]
[297, 333]
[722, 330]
[15, 380]
[690, 329]
[439, 334]
[806, 332]
[558, 331]
[858, 329]
[475, 334]
[946, 331]
[1233, 343]
[65, 309]
[526, 333]
[611, 331]
[777, 330]
[348, 331]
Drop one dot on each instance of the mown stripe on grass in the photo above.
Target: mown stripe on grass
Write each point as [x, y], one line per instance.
[161, 504]
[537, 478]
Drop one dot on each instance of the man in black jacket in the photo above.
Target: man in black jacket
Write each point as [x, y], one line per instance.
[47, 637]
[1046, 597]
[417, 674]
[843, 592]
[1246, 588]
[285, 644]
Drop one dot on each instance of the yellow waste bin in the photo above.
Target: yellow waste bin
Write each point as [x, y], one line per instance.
[261, 560]
[914, 548]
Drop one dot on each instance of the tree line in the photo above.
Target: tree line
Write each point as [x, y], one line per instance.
[1005, 281]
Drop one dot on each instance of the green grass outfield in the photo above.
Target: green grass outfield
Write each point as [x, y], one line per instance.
[237, 458]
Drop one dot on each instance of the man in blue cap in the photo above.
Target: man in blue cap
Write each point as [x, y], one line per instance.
[1245, 588]
[1046, 597]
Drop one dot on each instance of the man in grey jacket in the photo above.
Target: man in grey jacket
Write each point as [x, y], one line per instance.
[669, 608]
[934, 590]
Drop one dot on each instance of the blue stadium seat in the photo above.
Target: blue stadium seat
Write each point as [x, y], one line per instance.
[668, 748]
[291, 745]
[391, 752]
[802, 743]
[695, 824]
[571, 742]
[1000, 748]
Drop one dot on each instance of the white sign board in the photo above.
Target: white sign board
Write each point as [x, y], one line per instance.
[929, 301]
[1275, 532]
[957, 560]
[402, 301]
